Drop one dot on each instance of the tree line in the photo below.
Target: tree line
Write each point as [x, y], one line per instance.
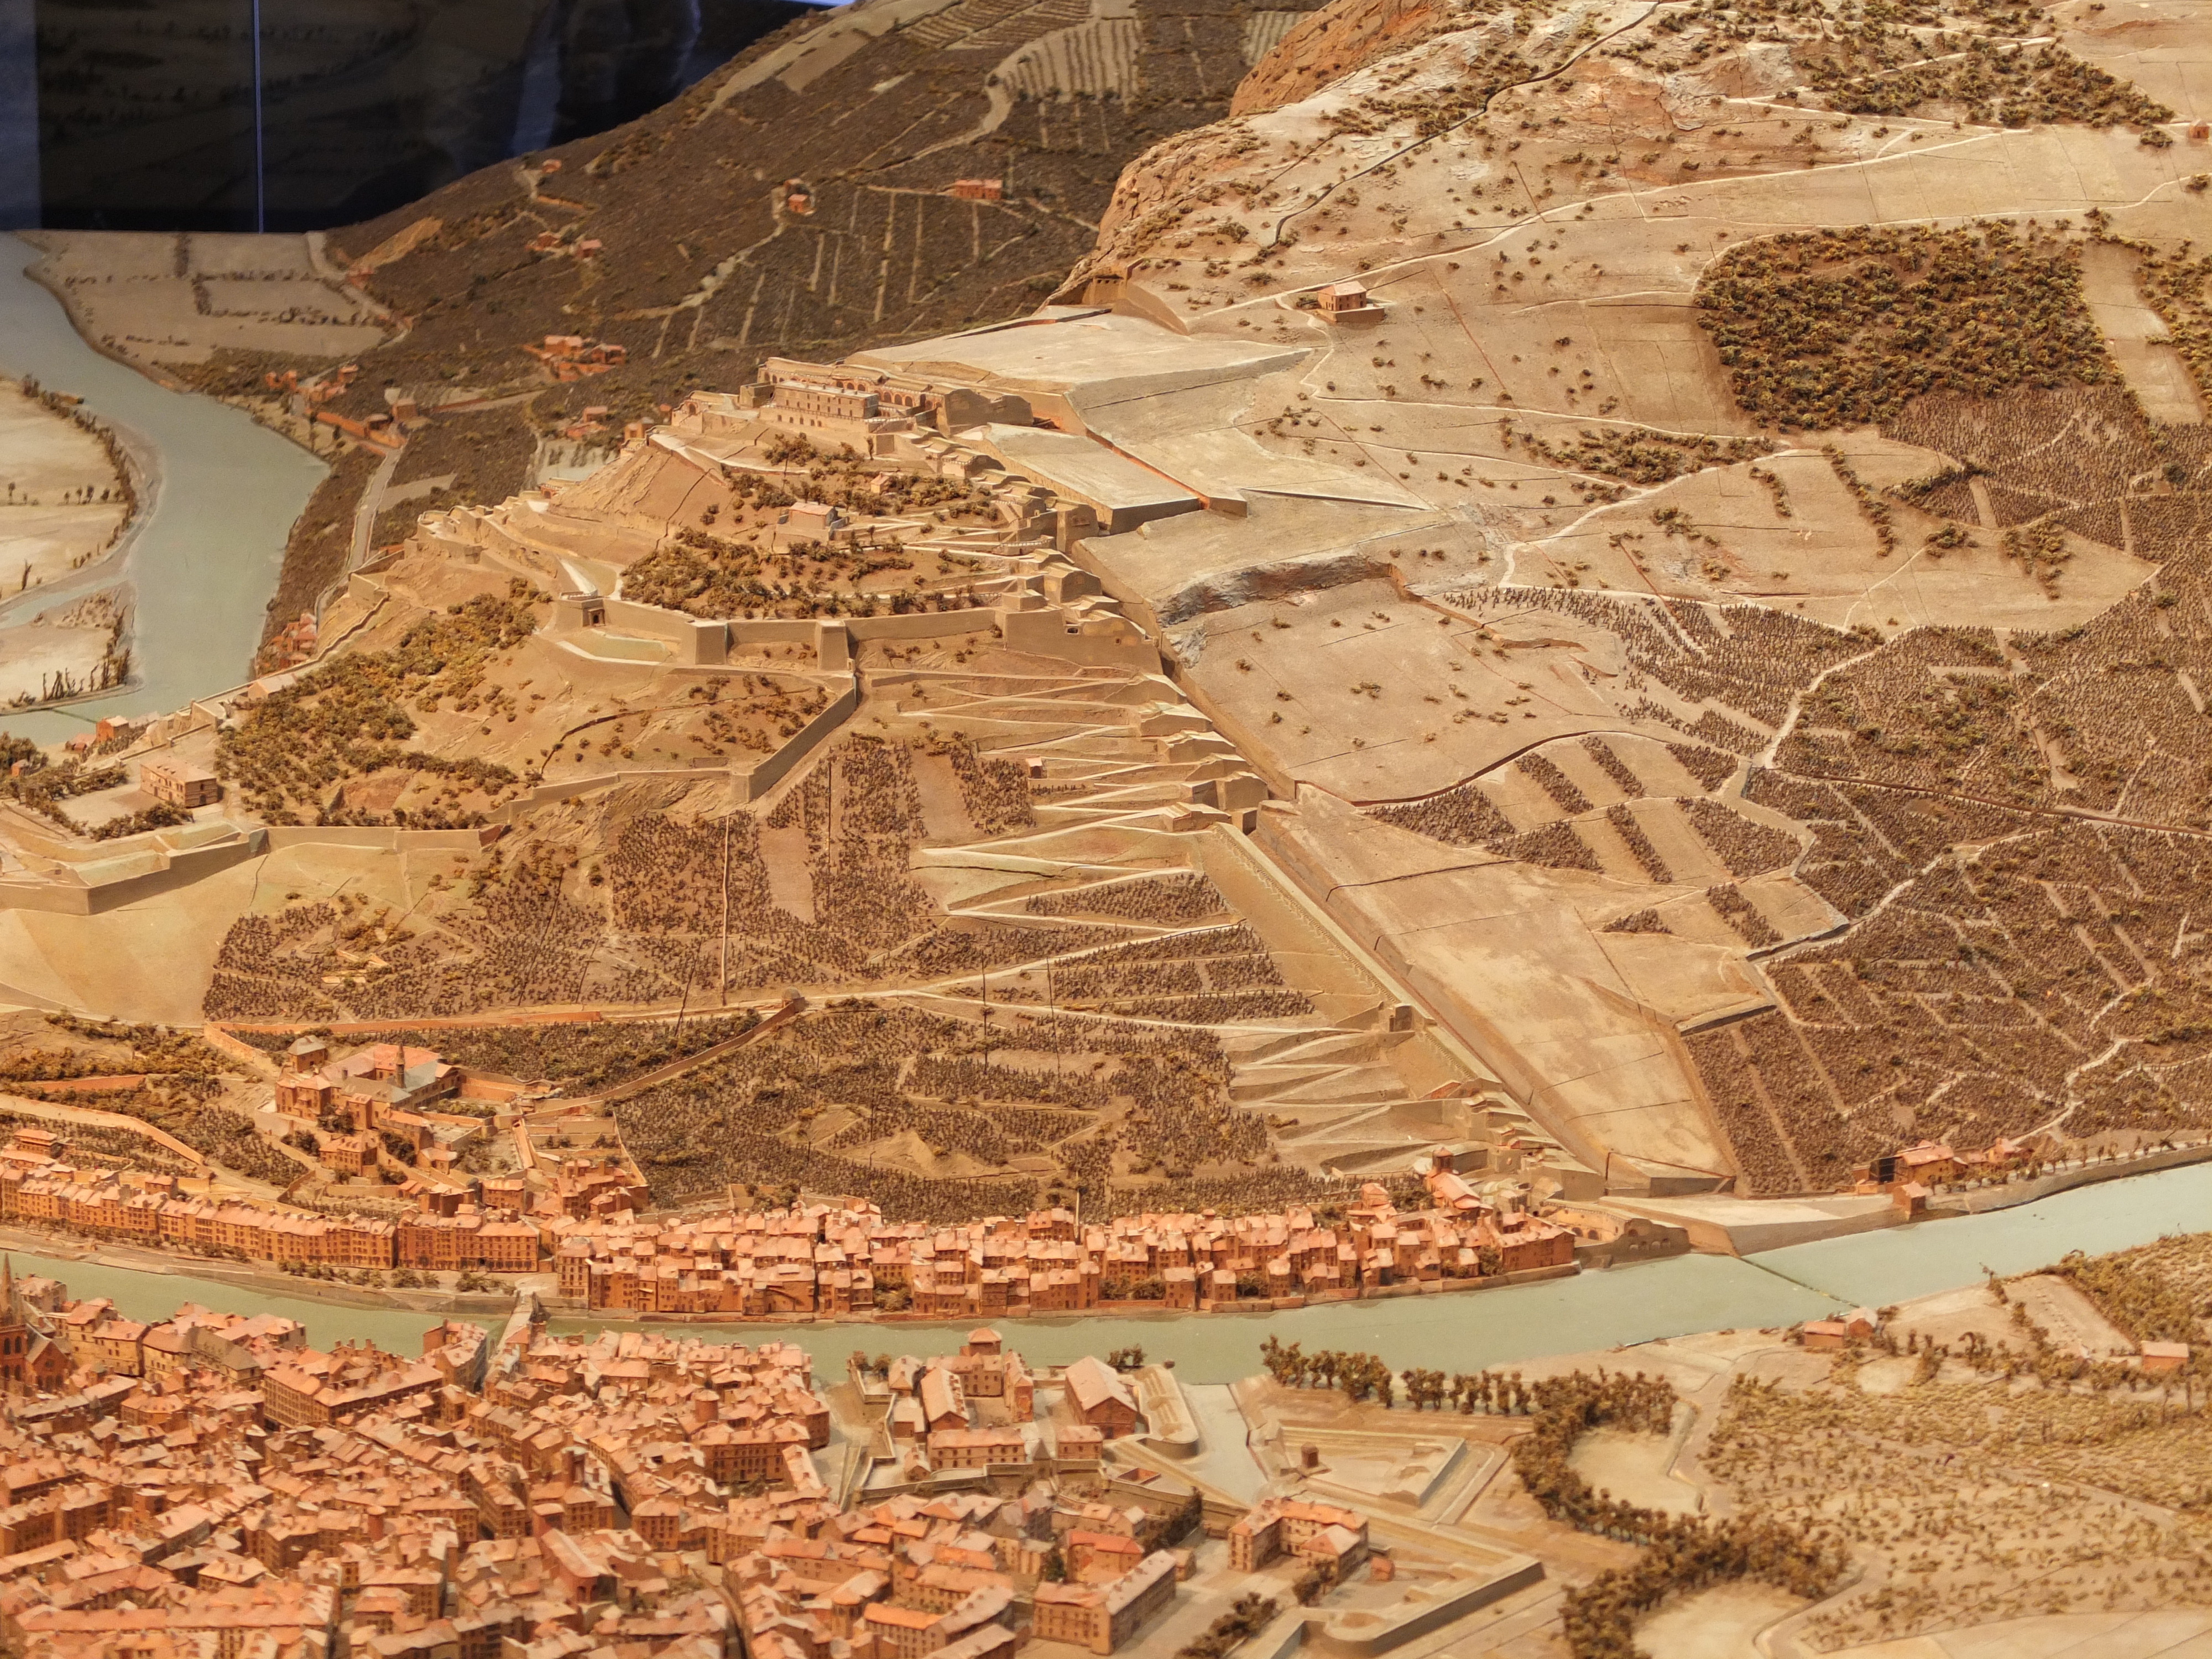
[1683, 1554]
[1365, 1377]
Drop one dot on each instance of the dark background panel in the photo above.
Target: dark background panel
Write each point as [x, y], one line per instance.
[146, 109]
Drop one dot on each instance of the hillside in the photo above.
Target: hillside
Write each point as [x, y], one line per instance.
[795, 203]
[1723, 600]
[1693, 518]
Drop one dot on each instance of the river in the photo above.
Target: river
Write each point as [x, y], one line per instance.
[1457, 1331]
[220, 498]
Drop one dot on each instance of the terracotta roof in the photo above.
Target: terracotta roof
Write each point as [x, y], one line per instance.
[1092, 1383]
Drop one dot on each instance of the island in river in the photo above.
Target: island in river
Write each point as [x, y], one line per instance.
[68, 501]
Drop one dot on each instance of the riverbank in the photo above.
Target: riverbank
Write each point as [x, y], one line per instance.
[1121, 1310]
[1981, 1201]
[1520, 1315]
[1920, 1258]
[72, 490]
[261, 1280]
[218, 499]
[266, 1281]
[1719, 1224]
[1512, 1324]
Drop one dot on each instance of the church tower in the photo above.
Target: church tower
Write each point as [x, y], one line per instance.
[14, 1329]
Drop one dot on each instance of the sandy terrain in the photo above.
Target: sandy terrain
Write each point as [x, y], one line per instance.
[49, 654]
[1638, 1468]
[60, 497]
[1581, 1028]
[1715, 1624]
[2070, 1319]
[2181, 1634]
[146, 961]
[1954, 1529]
[159, 299]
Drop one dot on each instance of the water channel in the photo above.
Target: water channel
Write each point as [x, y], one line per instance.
[1461, 1331]
[204, 556]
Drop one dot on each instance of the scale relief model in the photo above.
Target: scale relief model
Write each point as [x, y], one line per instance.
[1164, 669]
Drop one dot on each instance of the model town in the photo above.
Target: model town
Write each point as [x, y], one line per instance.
[1263, 701]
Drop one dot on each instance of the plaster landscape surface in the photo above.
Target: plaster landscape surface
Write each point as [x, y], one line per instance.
[1500, 708]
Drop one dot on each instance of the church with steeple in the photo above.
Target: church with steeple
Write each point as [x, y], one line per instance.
[30, 1358]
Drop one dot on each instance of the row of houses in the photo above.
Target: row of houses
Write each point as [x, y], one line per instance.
[841, 1258]
[142, 1208]
[846, 1260]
